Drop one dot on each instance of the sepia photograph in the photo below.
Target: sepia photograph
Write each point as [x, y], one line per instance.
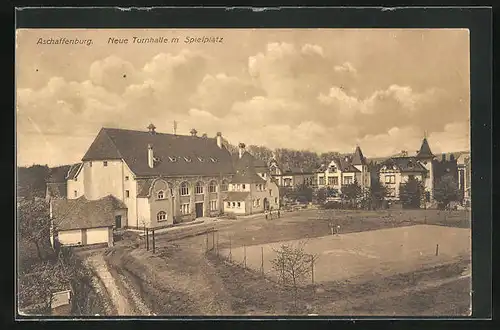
[243, 172]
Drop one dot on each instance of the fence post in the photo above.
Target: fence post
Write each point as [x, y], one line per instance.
[244, 256]
[312, 268]
[230, 253]
[147, 239]
[262, 260]
[217, 245]
[213, 239]
[206, 241]
[437, 249]
[154, 246]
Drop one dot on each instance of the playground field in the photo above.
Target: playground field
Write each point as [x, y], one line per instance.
[363, 255]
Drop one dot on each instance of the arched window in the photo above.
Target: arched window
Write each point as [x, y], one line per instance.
[160, 194]
[199, 188]
[184, 190]
[212, 187]
[223, 186]
[161, 216]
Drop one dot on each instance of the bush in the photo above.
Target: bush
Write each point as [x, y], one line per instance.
[332, 205]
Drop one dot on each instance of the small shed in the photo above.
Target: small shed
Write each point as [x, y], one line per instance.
[86, 222]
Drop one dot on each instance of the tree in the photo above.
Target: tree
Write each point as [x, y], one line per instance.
[446, 191]
[352, 192]
[34, 227]
[260, 152]
[377, 194]
[292, 265]
[31, 181]
[320, 195]
[411, 193]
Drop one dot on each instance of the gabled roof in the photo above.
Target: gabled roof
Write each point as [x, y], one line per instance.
[73, 171]
[58, 174]
[425, 150]
[358, 158]
[405, 164]
[245, 169]
[175, 154]
[236, 196]
[82, 213]
[143, 187]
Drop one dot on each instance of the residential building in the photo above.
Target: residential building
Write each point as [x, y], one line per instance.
[252, 189]
[290, 177]
[344, 170]
[464, 176]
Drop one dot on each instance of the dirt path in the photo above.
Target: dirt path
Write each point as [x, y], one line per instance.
[125, 304]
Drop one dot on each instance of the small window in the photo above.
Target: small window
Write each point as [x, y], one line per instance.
[105, 163]
[126, 178]
[213, 160]
[75, 193]
[161, 216]
[243, 187]
[127, 193]
[223, 186]
[228, 204]
[90, 164]
[201, 159]
[160, 194]
[76, 178]
[213, 205]
[234, 204]
[239, 204]
[172, 159]
[275, 200]
[187, 159]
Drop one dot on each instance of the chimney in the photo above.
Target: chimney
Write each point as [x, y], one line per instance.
[150, 156]
[204, 135]
[443, 157]
[404, 153]
[194, 132]
[219, 139]
[151, 129]
[241, 149]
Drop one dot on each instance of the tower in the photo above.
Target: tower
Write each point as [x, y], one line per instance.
[426, 157]
[359, 161]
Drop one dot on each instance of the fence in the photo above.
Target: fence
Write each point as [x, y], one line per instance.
[151, 237]
[254, 258]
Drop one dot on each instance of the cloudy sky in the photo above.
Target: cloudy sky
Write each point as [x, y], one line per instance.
[321, 90]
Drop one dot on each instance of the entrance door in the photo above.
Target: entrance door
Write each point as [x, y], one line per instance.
[118, 221]
[198, 209]
[266, 204]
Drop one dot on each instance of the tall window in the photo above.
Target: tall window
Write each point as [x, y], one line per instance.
[223, 186]
[105, 163]
[160, 194]
[213, 205]
[75, 193]
[199, 188]
[321, 180]
[258, 201]
[161, 216]
[275, 200]
[127, 193]
[212, 187]
[239, 204]
[330, 180]
[234, 204]
[185, 208]
[228, 204]
[335, 181]
[243, 187]
[184, 190]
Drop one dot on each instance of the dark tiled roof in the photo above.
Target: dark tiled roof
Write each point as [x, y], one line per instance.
[58, 174]
[191, 155]
[81, 213]
[143, 187]
[236, 196]
[425, 150]
[73, 171]
[245, 170]
[406, 164]
[358, 158]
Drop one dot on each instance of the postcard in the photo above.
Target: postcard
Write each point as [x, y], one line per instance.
[243, 172]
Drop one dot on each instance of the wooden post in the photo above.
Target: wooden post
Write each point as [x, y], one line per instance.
[244, 256]
[437, 249]
[217, 245]
[213, 239]
[262, 260]
[147, 239]
[154, 247]
[206, 241]
[312, 268]
[230, 253]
